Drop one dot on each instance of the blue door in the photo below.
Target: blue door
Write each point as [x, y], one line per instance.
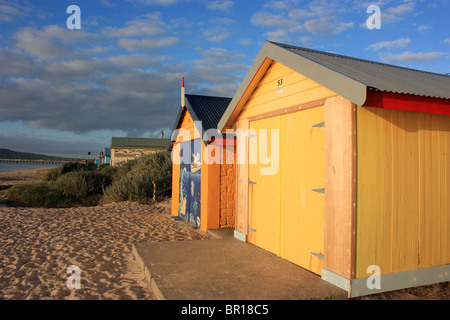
[190, 181]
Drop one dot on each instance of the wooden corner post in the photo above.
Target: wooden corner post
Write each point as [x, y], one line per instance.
[340, 187]
[241, 218]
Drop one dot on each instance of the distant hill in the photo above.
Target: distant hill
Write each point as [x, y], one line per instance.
[11, 154]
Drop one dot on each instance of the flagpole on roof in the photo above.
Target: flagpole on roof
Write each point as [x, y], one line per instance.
[183, 97]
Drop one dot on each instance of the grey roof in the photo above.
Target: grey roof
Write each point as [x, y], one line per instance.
[348, 77]
[207, 109]
[138, 142]
[380, 76]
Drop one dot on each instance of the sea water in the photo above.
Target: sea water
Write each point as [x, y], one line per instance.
[7, 167]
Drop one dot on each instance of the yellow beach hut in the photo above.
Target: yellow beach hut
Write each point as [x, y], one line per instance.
[360, 194]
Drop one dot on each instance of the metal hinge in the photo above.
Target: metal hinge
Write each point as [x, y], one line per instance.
[318, 255]
[251, 229]
[322, 190]
[251, 182]
[319, 125]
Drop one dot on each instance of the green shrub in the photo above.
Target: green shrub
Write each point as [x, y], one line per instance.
[83, 186]
[37, 195]
[134, 181]
[136, 186]
[104, 166]
[106, 169]
[53, 174]
[77, 166]
[159, 164]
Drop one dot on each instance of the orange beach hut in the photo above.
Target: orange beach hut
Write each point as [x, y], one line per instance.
[362, 183]
[203, 185]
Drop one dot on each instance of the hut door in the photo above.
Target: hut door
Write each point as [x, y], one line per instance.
[286, 209]
[302, 166]
[190, 177]
[264, 191]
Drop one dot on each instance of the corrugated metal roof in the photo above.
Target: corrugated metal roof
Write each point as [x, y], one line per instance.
[139, 142]
[380, 76]
[207, 109]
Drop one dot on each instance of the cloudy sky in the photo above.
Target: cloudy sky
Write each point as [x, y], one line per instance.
[67, 92]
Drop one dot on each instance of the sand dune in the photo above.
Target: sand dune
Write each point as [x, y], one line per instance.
[38, 245]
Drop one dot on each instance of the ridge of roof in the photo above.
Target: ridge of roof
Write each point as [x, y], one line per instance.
[138, 142]
[206, 96]
[289, 47]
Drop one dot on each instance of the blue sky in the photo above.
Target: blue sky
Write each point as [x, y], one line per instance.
[67, 92]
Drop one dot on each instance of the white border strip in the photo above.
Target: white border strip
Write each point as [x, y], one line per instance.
[391, 281]
[240, 236]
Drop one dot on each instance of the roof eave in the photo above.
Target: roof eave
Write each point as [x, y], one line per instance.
[339, 83]
[178, 122]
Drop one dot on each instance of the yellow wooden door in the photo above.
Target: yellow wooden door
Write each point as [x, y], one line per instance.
[264, 191]
[302, 168]
[286, 209]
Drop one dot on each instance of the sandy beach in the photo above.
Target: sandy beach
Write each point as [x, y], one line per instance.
[13, 178]
[37, 245]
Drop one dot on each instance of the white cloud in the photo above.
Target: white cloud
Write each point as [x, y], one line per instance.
[52, 41]
[134, 60]
[413, 56]
[10, 11]
[400, 43]
[218, 72]
[402, 9]
[95, 50]
[278, 35]
[268, 19]
[447, 41]
[423, 28]
[305, 39]
[222, 5]
[156, 2]
[107, 3]
[147, 44]
[218, 55]
[39, 45]
[245, 41]
[147, 25]
[397, 13]
[13, 10]
[300, 14]
[327, 26]
[288, 18]
[282, 5]
[217, 34]
[218, 29]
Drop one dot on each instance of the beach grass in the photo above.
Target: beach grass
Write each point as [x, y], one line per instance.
[37, 195]
[89, 185]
